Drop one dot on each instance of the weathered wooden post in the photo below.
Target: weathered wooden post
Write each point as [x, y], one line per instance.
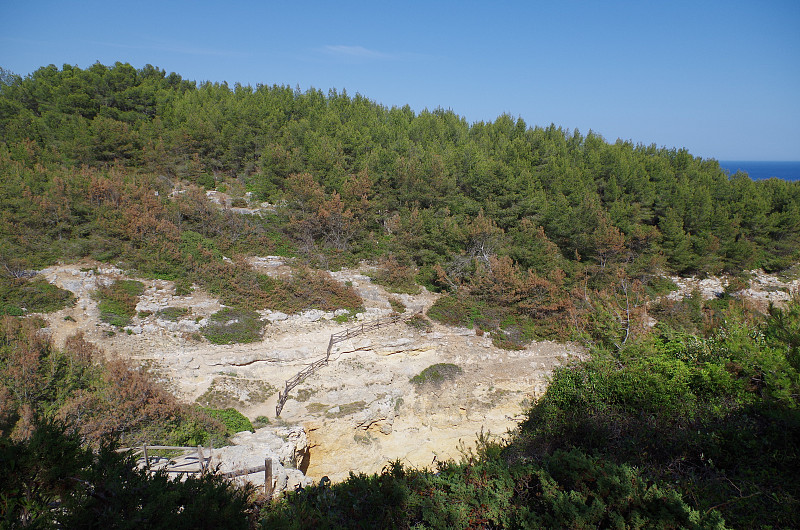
[268, 487]
[146, 460]
[200, 459]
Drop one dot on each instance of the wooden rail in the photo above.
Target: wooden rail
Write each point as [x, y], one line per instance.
[341, 336]
[204, 463]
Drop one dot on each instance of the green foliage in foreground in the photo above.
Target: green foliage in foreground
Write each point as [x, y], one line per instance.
[717, 417]
[232, 326]
[34, 296]
[51, 481]
[564, 490]
[232, 419]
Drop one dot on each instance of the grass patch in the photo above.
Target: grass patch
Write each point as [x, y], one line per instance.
[453, 310]
[34, 296]
[261, 421]
[313, 289]
[346, 409]
[345, 317]
[397, 305]
[241, 286]
[233, 326]
[117, 302]
[173, 313]
[227, 391]
[304, 394]
[436, 374]
[317, 408]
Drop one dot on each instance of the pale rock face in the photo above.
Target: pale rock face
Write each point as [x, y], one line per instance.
[276, 316]
[312, 315]
[356, 413]
[286, 447]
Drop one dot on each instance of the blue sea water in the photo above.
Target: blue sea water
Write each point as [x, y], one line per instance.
[759, 170]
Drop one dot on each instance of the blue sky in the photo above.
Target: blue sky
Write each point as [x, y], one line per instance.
[719, 78]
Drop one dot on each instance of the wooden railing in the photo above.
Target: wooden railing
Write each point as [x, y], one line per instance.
[203, 463]
[341, 336]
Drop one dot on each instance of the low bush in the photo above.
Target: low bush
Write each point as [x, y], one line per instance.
[35, 296]
[420, 323]
[454, 310]
[231, 418]
[50, 480]
[395, 277]
[101, 401]
[312, 289]
[173, 313]
[437, 373]
[232, 326]
[565, 490]
[117, 302]
[397, 305]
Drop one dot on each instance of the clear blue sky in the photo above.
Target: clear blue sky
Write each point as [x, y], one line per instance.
[721, 78]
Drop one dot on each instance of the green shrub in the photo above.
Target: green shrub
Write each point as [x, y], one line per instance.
[36, 296]
[233, 420]
[117, 302]
[660, 285]
[437, 373]
[261, 421]
[454, 310]
[231, 326]
[51, 480]
[183, 287]
[345, 317]
[565, 490]
[11, 310]
[313, 289]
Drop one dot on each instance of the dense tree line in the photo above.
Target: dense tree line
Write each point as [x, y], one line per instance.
[427, 173]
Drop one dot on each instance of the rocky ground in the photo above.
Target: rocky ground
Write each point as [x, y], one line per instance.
[358, 412]
[361, 410]
[762, 290]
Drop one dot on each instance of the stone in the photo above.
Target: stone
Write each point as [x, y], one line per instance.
[277, 316]
[312, 315]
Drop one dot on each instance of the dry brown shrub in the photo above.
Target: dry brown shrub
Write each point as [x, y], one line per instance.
[504, 284]
[127, 402]
[313, 289]
[396, 277]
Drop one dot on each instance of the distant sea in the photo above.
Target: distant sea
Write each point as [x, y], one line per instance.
[763, 170]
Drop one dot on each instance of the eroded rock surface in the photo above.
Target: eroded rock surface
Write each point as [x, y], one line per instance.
[358, 412]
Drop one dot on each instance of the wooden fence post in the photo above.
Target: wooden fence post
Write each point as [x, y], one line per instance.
[268, 478]
[200, 459]
[146, 460]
